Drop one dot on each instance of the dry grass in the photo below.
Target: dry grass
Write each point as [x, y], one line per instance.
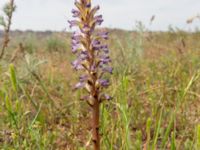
[156, 78]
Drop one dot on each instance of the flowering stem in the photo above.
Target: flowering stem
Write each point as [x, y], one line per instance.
[92, 60]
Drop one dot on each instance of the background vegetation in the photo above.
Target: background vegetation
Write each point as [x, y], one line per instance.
[155, 89]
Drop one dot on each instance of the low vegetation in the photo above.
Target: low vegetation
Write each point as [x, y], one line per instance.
[155, 98]
[154, 85]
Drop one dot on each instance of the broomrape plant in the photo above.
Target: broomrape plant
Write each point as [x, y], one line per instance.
[92, 59]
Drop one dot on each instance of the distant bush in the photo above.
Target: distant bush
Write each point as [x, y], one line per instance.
[55, 45]
[30, 47]
[30, 43]
[130, 50]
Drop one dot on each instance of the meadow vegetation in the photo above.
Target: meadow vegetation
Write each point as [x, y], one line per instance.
[155, 89]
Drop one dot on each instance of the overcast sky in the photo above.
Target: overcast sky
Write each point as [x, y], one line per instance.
[53, 14]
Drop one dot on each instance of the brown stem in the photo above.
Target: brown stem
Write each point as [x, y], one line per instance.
[95, 125]
[7, 30]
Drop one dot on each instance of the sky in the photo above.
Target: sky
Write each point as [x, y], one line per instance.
[54, 14]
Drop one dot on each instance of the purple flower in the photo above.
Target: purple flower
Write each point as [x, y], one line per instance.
[75, 13]
[105, 48]
[84, 52]
[75, 48]
[86, 29]
[75, 42]
[91, 51]
[73, 23]
[108, 69]
[88, 5]
[98, 19]
[103, 35]
[77, 64]
[79, 85]
[93, 68]
[104, 82]
[83, 55]
[83, 78]
[105, 59]
[96, 45]
[106, 97]
[76, 36]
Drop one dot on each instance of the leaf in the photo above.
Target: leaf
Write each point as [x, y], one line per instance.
[9, 8]
[13, 77]
[2, 21]
[198, 136]
[8, 104]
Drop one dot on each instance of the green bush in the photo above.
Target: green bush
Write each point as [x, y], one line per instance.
[55, 45]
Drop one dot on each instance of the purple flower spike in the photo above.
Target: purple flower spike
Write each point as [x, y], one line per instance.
[92, 53]
[92, 59]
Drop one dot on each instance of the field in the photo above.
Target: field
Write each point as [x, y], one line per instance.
[155, 88]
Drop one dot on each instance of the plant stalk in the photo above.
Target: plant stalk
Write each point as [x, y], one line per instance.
[95, 124]
[7, 30]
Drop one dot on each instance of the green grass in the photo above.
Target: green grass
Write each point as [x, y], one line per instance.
[155, 89]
